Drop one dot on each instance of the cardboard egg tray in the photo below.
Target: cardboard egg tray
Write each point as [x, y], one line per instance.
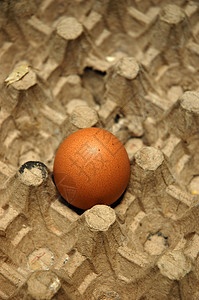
[130, 67]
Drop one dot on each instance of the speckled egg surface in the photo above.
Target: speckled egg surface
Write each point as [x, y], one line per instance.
[91, 167]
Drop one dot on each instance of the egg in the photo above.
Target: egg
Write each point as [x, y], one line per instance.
[91, 167]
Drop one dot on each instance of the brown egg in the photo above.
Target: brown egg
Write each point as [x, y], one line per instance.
[91, 167]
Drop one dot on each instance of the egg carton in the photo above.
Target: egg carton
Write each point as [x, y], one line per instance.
[131, 68]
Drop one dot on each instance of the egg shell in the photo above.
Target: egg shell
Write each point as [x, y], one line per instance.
[91, 167]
